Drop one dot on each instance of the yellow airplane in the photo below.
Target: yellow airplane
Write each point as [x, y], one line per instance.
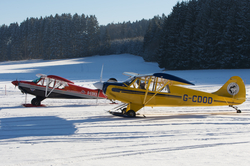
[161, 89]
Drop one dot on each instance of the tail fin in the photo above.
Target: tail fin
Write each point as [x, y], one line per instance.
[233, 88]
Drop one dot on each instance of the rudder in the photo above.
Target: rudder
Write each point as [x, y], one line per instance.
[233, 88]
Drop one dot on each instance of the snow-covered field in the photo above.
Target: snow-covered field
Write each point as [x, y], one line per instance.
[81, 132]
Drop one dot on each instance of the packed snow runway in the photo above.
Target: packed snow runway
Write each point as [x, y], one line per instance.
[81, 132]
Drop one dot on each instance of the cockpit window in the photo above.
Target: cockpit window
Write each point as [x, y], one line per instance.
[129, 81]
[61, 86]
[36, 80]
[153, 84]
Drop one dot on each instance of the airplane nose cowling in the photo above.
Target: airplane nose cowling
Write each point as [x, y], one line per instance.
[15, 83]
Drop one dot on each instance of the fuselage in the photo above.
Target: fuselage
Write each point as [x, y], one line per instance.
[157, 92]
[70, 91]
[179, 96]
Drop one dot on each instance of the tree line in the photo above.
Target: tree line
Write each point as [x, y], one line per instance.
[201, 34]
[197, 34]
[67, 36]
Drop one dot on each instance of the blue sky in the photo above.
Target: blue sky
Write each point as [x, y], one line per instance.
[106, 11]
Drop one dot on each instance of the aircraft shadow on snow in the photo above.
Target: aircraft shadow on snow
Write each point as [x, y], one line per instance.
[35, 126]
[17, 127]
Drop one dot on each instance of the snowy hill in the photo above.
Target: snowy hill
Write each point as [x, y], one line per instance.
[81, 132]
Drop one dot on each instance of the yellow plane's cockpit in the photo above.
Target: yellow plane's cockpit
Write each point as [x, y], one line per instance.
[147, 83]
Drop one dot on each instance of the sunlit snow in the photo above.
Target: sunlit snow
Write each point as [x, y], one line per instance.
[81, 132]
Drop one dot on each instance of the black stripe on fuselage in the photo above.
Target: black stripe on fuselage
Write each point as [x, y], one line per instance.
[143, 93]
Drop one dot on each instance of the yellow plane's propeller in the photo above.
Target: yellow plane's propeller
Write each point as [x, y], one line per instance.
[99, 84]
[15, 83]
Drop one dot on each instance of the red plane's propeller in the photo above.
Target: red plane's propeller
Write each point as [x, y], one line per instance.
[15, 83]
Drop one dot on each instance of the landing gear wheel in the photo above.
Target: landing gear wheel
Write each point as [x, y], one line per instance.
[236, 108]
[36, 102]
[131, 113]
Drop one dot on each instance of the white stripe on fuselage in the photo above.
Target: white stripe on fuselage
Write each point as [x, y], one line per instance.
[70, 93]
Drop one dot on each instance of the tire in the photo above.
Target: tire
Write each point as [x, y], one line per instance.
[35, 102]
[131, 113]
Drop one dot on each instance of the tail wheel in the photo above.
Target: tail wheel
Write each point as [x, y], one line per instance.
[131, 113]
[36, 102]
[236, 108]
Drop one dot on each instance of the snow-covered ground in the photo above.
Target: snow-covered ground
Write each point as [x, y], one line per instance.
[81, 132]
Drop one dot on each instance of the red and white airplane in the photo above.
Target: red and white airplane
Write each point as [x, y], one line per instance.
[53, 86]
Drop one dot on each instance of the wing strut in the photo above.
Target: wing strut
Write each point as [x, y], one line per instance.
[160, 88]
[56, 85]
[146, 94]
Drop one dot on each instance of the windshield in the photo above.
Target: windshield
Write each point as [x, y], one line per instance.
[129, 81]
[36, 80]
